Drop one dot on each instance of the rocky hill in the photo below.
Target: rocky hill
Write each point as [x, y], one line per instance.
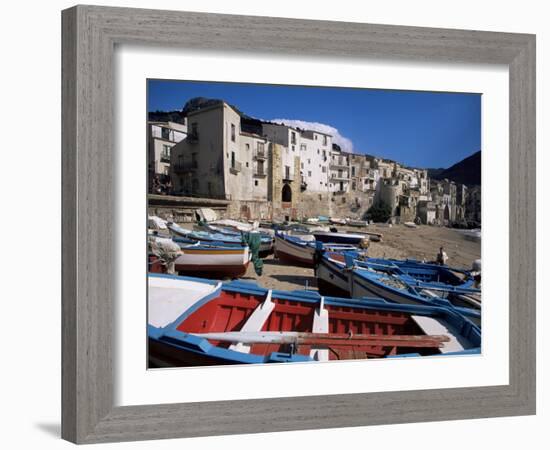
[467, 171]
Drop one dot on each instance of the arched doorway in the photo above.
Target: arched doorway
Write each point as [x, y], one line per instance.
[446, 212]
[286, 194]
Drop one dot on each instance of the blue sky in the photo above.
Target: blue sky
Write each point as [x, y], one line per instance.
[420, 129]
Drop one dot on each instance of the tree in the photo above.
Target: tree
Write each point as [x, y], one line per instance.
[379, 212]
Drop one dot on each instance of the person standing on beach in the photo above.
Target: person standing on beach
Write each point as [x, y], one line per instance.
[441, 257]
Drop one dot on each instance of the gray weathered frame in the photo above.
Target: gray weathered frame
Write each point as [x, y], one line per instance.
[90, 34]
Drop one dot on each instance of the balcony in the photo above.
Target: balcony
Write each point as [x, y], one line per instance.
[260, 154]
[339, 177]
[235, 168]
[165, 158]
[186, 167]
[259, 174]
[339, 164]
[288, 178]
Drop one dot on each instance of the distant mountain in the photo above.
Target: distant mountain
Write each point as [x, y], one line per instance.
[193, 104]
[166, 116]
[467, 171]
[434, 173]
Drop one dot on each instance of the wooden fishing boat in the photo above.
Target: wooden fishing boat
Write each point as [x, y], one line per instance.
[213, 260]
[176, 230]
[339, 238]
[266, 241]
[199, 323]
[356, 223]
[405, 282]
[301, 249]
[223, 234]
[337, 221]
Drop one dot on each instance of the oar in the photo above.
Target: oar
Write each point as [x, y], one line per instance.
[326, 339]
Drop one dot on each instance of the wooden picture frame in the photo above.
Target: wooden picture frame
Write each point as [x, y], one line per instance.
[90, 34]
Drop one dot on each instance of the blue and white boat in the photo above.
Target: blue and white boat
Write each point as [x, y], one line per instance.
[266, 241]
[405, 282]
[302, 249]
[204, 322]
[335, 237]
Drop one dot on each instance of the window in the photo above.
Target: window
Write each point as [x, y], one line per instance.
[353, 185]
[260, 168]
[293, 137]
[318, 151]
[255, 182]
[247, 147]
[195, 130]
[232, 159]
[301, 165]
[324, 169]
[293, 148]
[325, 140]
[309, 161]
[165, 152]
[303, 147]
[247, 164]
[315, 137]
[233, 132]
[309, 173]
[353, 171]
[260, 147]
[166, 134]
[287, 172]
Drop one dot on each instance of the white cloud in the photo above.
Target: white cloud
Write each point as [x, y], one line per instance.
[345, 143]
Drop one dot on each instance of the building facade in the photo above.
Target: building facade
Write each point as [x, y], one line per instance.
[275, 171]
[161, 138]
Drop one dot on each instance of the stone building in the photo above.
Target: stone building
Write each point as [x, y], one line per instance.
[339, 166]
[219, 160]
[315, 149]
[161, 137]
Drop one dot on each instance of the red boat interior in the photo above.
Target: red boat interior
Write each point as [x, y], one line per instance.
[230, 311]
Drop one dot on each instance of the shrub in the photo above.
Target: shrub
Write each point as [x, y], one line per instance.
[379, 212]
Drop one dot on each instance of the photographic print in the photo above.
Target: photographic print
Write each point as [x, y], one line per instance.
[311, 224]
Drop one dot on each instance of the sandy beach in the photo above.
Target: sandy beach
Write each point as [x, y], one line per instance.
[398, 242]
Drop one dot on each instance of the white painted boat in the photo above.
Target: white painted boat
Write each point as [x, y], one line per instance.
[240, 226]
[337, 221]
[176, 230]
[356, 223]
[156, 223]
[213, 261]
[294, 249]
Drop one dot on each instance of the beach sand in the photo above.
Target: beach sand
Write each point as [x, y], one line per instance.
[398, 242]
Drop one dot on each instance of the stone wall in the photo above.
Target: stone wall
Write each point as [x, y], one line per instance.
[182, 209]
